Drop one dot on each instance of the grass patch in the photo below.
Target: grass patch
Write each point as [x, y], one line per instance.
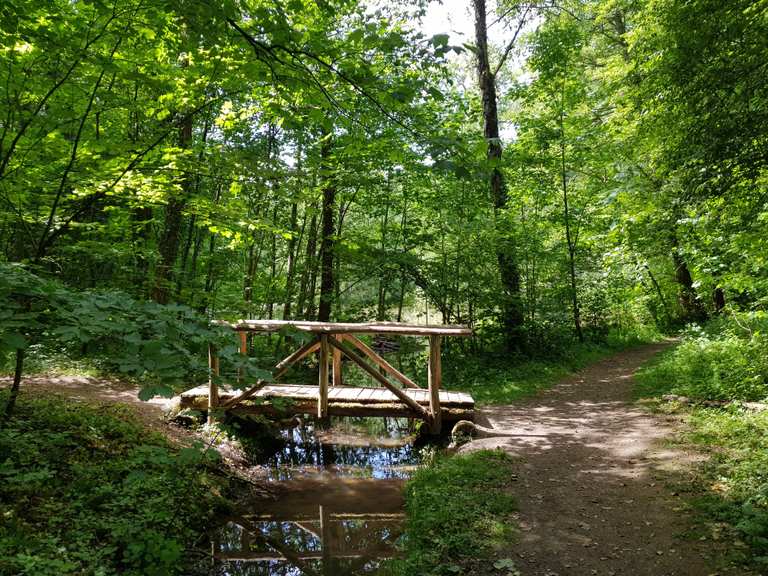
[459, 516]
[722, 362]
[501, 379]
[88, 490]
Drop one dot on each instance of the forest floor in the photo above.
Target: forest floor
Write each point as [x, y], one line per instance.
[599, 485]
[102, 390]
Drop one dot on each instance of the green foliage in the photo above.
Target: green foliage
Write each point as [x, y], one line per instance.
[725, 360]
[731, 490]
[88, 490]
[459, 515]
[159, 346]
[499, 378]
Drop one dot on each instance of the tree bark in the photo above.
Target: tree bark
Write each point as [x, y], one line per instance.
[294, 245]
[171, 237]
[307, 288]
[11, 403]
[512, 309]
[659, 293]
[294, 242]
[693, 310]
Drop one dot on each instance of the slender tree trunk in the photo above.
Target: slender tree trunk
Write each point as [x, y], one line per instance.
[718, 299]
[568, 236]
[182, 277]
[294, 244]
[512, 306]
[305, 303]
[381, 309]
[327, 243]
[141, 230]
[404, 240]
[660, 294]
[272, 268]
[14, 394]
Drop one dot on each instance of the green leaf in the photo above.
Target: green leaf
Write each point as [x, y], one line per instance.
[13, 341]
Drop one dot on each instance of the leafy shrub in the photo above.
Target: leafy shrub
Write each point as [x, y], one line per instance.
[727, 360]
[160, 346]
[89, 491]
[736, 475]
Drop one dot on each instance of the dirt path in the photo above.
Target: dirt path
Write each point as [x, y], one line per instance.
[593, 487]
[105, 391]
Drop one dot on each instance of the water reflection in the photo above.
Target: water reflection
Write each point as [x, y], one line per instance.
[371, 447]
[324, 525]
[338, 508]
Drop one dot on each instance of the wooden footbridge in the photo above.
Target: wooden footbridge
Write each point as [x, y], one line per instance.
[397, 395]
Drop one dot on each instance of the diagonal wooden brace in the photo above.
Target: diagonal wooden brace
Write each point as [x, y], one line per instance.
[402, 396]
[280, 369]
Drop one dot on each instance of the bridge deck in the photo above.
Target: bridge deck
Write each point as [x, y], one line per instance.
[342, 400]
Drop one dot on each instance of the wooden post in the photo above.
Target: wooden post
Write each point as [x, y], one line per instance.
[322, 397]
[337, 379]
[213, 388]
[243, 351]
[434, 377]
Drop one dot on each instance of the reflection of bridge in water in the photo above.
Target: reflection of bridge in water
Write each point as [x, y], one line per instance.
[331, 526]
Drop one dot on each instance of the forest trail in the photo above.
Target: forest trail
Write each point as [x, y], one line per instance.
[105, 391]
[595, 483]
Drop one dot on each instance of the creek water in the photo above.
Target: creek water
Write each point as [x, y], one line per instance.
[335, 504]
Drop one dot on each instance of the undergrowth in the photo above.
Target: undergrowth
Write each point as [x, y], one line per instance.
[724, 361]
[497, 378]
[459, 516]
[88, 490]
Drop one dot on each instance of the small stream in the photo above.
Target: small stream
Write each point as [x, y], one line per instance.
[338, 504]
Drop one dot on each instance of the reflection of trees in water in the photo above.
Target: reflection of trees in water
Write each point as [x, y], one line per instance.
[302, 448]
[322, 547]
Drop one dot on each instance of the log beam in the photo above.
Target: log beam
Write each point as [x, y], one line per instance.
[337, 379]
[280, 369]
[322, 396]
[435, 375]
[213, 387]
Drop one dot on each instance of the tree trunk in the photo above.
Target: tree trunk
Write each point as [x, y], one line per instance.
[693, 310]
[570, 240]
[660, 294]
[170, 239]
[512, 308]
[381, 309]
[11, 403]
[308, 273]
[294, 244]
[327, 243]
[272, 267]
[718, 298]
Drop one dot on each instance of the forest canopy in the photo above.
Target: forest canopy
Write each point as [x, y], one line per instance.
[575, 168]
